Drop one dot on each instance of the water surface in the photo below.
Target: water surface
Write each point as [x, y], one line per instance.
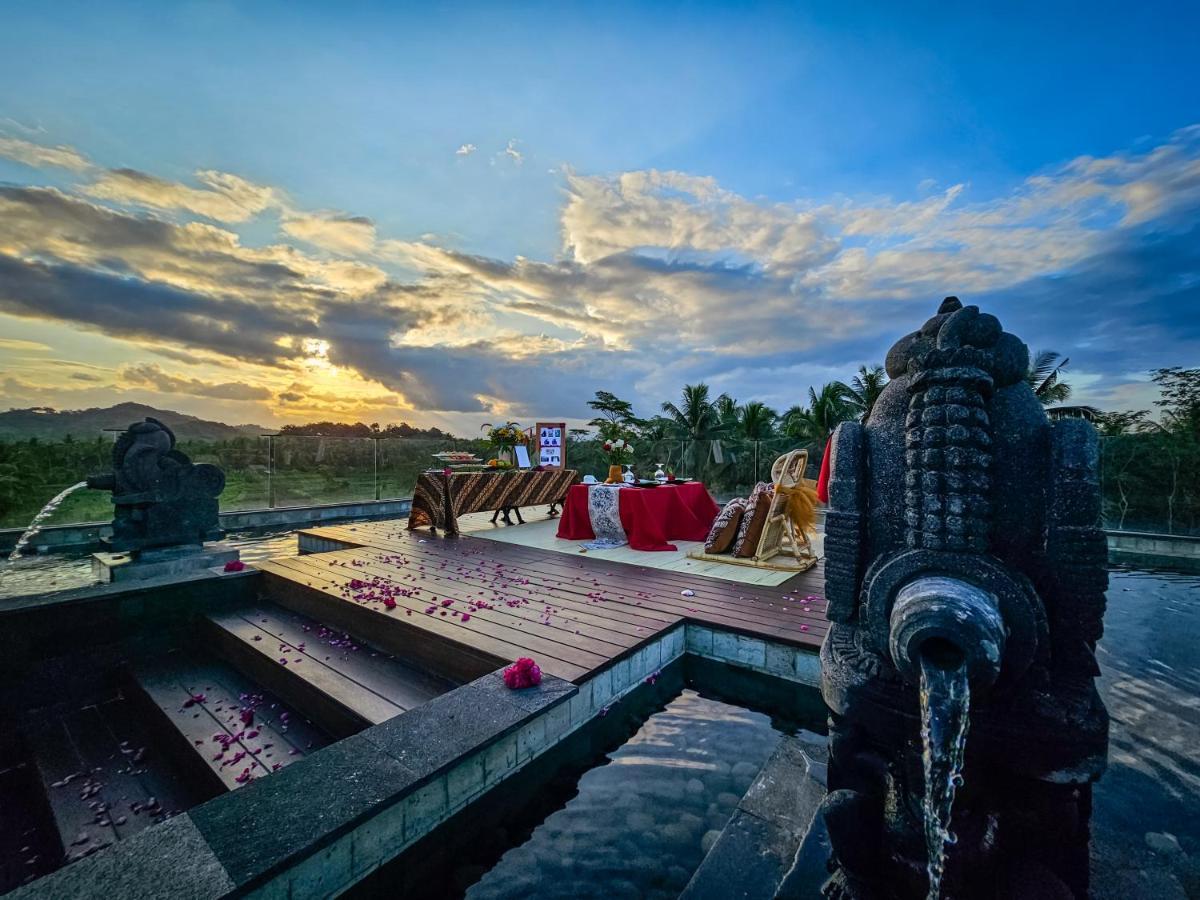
[641, 824]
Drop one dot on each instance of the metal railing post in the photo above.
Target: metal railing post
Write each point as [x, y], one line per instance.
[376, 442]
[270, 471]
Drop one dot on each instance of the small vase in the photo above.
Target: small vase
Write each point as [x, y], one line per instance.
[629, 477]
[614, 475]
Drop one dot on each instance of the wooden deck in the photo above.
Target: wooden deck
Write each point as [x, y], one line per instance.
[464, 606]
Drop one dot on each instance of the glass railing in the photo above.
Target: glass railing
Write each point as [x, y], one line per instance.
[1150, 482]
[261, 472]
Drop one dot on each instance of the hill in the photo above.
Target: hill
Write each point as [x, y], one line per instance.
[50, 424]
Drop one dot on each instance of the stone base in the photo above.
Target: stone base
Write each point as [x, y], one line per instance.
[139, 565]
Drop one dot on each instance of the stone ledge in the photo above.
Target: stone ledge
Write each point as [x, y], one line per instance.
[169, 860]
[295, 832]
[756, 850]
[756, 654]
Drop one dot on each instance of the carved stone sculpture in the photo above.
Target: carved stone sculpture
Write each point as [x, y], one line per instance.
[161, 497]
[964, 525]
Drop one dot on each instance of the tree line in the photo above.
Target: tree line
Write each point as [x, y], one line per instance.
[1150, 464]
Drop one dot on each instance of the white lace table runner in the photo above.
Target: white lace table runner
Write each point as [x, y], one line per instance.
[606, 517]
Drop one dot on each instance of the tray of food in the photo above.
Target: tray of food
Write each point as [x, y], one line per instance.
[458, 457]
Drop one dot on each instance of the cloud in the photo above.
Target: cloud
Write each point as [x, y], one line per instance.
[663, 277]
[26, 346]
[337, 232]
[680, 214]
[152, 376]
[41, 155]
[513, 153]
[465, 150]
[85, 376]
[223, 197]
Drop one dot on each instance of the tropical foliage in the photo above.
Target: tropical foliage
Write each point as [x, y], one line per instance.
[1045, 376]
[865, 387]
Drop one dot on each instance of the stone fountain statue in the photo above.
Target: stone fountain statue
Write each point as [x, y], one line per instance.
[963, 547]
[165, 505]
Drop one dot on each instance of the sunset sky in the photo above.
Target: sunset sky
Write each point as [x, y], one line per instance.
[445, 214]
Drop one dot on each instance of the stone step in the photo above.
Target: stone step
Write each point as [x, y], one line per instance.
[756, 850]
[341, 682]
[223, 729]
[103, 779]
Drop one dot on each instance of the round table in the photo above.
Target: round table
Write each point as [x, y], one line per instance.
[650, 516]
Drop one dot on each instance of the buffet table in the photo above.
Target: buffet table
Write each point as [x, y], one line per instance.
[650, 516]
[439, 499]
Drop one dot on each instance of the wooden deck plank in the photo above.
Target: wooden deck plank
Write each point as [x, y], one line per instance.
[622, 631]
[601, 610]
[361, 663]
[273, 738]
[342, 706]
[532, 634]
[462, 651]
[746, 608]
[768, 612]
[385, 535]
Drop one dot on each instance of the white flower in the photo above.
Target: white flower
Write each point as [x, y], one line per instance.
[618, 444]
[629, 447]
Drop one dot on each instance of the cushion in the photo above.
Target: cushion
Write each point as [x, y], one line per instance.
[754, 520]
[725, 527]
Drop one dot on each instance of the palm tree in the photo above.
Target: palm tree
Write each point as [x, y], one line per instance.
[865, 387]
[815, 424]
[1045, 377]
[697, 417]
[756, 422]
[727, 411]
[697, 421]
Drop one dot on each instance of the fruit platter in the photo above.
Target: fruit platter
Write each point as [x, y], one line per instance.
[456, 458]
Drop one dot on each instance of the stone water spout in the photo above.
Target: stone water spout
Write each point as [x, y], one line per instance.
[160, 497]
[965, 573]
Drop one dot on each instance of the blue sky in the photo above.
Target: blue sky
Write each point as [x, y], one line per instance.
[632, 179]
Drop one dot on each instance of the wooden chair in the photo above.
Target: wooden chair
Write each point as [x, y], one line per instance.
[779, 533]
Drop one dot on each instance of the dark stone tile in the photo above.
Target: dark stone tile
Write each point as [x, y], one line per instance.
[168, 860]
[789, 789]
[430, 737]
[749, 860]
[297, 809]
[533, 700]
[810, 868]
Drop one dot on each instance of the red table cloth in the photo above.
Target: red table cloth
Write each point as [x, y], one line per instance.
[650, 516]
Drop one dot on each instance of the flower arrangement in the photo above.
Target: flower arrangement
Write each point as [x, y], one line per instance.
[522, 674]
[618, 450]
[505, 437]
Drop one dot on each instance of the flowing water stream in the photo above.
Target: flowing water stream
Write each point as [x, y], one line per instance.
[36, 525]
[945, 700]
